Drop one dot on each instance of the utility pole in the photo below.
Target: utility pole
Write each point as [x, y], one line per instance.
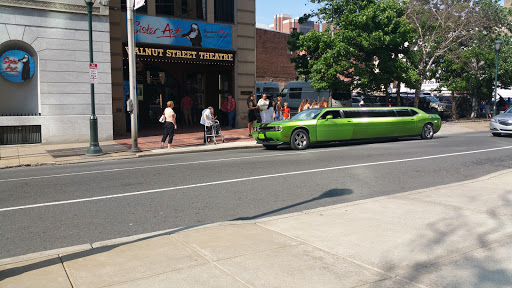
[132, 75]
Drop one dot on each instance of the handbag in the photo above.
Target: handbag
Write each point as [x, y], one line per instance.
[162, 119]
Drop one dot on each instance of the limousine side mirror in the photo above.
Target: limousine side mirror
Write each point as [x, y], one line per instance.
[328, 117]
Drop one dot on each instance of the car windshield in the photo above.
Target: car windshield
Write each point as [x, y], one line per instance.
[307, 114]
[433, 99]
[509, 111]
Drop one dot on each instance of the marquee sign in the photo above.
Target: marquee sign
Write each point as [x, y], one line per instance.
[184, 54]
[182, 32]
[17, 66]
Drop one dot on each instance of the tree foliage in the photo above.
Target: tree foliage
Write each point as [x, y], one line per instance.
[364, 48]
[470, 66]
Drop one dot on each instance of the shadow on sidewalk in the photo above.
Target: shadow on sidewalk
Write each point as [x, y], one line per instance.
[60, 259]
[481, 260]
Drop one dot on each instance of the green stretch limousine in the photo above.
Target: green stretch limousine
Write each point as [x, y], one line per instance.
[334, 124]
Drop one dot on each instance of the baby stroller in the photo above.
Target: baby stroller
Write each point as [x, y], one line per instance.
[213, 131]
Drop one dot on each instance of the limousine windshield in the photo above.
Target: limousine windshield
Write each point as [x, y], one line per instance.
[307, 114]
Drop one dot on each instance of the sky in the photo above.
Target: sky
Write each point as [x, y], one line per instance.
[266, 9]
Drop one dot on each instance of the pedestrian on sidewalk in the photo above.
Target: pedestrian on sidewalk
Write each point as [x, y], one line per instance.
[278, 113]
[207, 121]
[323, 103]
[169, 124]
[231, 109]
[487, 108]
[251, 112]
[263, 105]
[186, 108]
[286, 111]
[270, 114]
[223, 112]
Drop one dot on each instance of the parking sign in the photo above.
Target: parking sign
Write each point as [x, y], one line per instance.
[93, 73]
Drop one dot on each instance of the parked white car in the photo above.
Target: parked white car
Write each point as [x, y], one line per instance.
[501, 123]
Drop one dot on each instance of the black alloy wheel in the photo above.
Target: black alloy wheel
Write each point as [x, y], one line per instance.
[299, 139]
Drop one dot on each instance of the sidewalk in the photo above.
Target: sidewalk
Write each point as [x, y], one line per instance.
[38, 154]
[457, 235]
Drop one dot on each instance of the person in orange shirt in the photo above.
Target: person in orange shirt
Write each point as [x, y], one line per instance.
[286, 111]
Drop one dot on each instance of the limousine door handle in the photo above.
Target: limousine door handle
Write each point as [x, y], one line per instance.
[349, 121]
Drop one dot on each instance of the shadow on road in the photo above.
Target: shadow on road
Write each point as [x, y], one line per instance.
[328, 194]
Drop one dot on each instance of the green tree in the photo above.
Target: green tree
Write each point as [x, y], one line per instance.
[364, 48]
[471, 68]
[441, 26]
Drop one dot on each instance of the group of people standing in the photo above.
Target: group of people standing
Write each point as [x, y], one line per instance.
[268, 110]
[305, 104]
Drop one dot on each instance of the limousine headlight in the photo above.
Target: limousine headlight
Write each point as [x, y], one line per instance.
[256, 129]
[494, 120]
[275, 128]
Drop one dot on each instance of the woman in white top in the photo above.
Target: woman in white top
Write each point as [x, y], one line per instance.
[169, 125]
[263, 104]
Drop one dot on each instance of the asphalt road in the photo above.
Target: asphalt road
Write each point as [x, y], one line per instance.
[50, 207]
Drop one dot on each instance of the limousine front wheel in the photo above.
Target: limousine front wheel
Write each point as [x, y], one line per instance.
[300, 139]
[427, 132]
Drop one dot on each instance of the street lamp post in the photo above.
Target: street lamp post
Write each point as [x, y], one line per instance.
[94, 146]
[497, 47]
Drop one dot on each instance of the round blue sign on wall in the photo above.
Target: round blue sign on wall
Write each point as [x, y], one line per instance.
[17, 66]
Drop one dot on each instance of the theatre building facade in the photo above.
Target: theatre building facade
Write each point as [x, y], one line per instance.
[204, 49]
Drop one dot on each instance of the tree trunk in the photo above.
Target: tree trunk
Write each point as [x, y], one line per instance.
[398, 100]
[474, 106]
[387, 98]
[417, 93]
[454, 106]
[417, 97]
[329, 103]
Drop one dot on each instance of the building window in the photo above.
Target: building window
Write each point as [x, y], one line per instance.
[225, 11]
[193, 9]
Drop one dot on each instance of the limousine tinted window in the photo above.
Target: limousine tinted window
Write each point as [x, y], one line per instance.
[403, 112]
[335, 114]
[359, 113]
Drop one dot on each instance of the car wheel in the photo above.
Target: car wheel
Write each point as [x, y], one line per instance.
[427, 132]
[270, 147]
[299, 140]
[496, 134]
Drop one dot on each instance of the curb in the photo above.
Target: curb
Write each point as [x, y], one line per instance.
[187, 150]
[145, 153]
[139, 237]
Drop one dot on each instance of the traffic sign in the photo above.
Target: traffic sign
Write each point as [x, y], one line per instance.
[93, 73]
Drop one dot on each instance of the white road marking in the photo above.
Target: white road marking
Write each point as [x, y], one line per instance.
[248, 178]
[170, 164]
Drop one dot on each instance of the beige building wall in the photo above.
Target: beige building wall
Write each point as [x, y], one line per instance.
[244, 43]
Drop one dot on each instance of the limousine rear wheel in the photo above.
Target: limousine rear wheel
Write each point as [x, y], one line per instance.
[428, 131]
[300, 139]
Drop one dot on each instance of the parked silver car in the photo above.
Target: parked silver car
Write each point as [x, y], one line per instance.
[501, 123]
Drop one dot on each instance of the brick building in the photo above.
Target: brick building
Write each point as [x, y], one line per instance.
[273, 57]
[285, 23]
